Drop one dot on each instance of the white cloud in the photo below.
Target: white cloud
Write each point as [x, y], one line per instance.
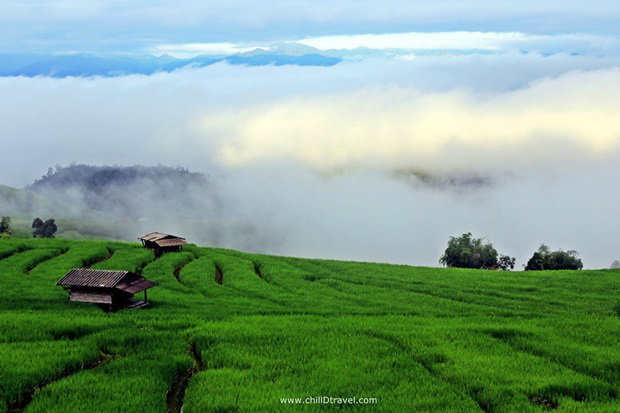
[423, 41]
[153, 118]
[187, 50]
[467, 41]
[402, 44]
[563, 190]
[438, 130]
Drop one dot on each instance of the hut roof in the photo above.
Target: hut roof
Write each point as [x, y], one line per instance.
[158, 236]
[135, 284]
[121, 280]
[170, 242]
[84, 277]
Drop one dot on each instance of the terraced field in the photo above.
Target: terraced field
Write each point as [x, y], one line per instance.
[234, 332]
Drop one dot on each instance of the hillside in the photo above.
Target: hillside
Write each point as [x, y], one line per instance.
[279, 329]
[128, 191]
[118, 202]
[22, 202]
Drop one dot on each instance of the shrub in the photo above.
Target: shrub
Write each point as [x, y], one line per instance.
[468, 252]
[505, 262]
[545, 259]
[5, 222]
[45, 229]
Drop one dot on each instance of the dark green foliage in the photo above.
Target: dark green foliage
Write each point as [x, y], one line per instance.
[505, 262]
[468, 252]
[45, 229]
[37, 223]
[544, 259]
[5, 223]
[98, 178]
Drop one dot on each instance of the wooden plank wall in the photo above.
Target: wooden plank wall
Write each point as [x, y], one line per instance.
[90, 297]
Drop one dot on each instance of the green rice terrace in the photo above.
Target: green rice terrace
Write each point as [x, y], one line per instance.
[287, 334]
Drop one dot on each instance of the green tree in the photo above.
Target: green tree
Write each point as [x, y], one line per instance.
[468, 252]
[545, 259]
[505, 262]
[45, 229]
[37, 223]
[5, 223]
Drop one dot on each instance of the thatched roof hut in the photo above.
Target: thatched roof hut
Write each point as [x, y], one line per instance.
[109, 289]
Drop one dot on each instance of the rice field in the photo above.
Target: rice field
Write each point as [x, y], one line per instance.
[233, 332]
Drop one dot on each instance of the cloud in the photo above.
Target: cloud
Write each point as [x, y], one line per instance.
[577, 112]
[553, 179]
[462, 40]
[100, 25]
[363, 46]
[195, 49]
[161, 118]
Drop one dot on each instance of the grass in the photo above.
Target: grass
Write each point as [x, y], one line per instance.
[72, 229]
[278, 328]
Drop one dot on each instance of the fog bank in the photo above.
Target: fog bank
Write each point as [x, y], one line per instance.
[375, 160]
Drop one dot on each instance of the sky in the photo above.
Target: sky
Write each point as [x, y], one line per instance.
[124, 25]
[512, 109]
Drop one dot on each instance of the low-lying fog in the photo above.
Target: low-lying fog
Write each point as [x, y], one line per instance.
[375, 160]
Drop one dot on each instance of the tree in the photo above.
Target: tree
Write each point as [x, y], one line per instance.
[545, 259]
[468, 252]
[37, 223]
[505, 262]
[5, 223]
[615, 264]
[45, 229]
[536, 263]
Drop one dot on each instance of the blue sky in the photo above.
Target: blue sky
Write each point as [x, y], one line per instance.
[138, 26]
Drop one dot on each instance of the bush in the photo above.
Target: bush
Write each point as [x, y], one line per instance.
[468, 252]
[5, 222]
[545, 259]
[45, 229]
[505, 262]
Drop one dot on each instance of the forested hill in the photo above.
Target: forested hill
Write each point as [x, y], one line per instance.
[97, 178]
[129, 191]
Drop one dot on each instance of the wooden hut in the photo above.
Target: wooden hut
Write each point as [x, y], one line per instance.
[111, 290]
[160, 242]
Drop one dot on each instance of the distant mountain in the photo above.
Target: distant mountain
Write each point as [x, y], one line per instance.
[12, 62]
[87, 65]
[279, 60]
[129, 192]
[123, 202]
[84, 65]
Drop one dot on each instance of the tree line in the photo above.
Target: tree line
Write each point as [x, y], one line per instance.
[40, 228]
[469, 252]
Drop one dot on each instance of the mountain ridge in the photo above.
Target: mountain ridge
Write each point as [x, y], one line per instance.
[89, 65]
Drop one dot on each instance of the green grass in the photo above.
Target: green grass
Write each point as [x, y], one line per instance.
[278, 328]
[72, 229]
